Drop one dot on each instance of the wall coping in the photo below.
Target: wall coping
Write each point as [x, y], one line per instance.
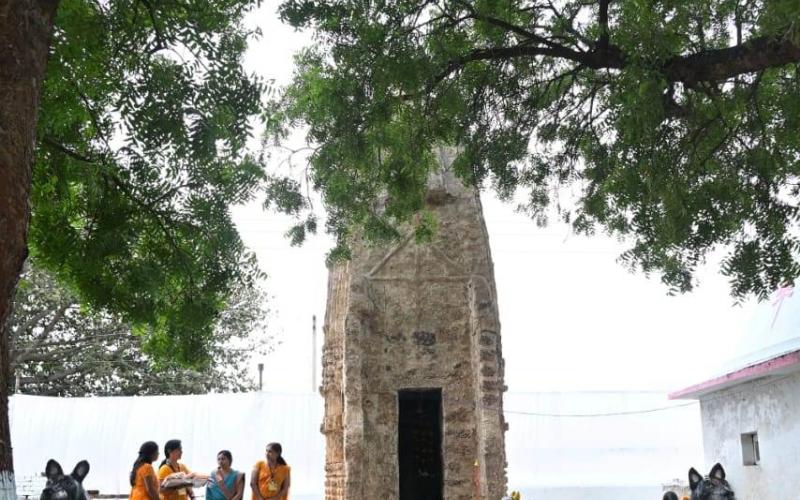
[775, 366]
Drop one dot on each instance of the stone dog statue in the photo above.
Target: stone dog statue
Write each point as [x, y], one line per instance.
[64, 487]
[712, 487]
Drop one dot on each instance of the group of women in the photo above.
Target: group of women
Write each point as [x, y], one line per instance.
[270, 479]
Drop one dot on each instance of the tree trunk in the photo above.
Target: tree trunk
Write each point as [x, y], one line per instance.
[25, 27]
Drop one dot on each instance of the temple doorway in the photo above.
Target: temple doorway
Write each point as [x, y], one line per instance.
[419, 444]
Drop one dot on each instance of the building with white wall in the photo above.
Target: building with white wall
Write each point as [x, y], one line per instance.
[751, 414]
[751, 424]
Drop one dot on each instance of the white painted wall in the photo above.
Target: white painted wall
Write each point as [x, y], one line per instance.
[770, 407]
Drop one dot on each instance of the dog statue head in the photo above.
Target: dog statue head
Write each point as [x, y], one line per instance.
[712, 487]
[64, 487]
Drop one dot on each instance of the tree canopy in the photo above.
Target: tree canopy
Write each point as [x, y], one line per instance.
[677, 121]
[144, 117]
[59, 348]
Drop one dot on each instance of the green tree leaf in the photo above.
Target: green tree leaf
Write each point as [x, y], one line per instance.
[145, 114]
[677, 122]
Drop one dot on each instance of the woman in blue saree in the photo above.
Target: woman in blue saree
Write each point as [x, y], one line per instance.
[225, 483]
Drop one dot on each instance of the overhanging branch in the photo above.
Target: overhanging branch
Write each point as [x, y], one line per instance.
[602, 21]
[716, 65]
[610, 58]
[711, 65]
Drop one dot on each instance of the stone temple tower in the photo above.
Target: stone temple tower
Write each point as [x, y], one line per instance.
[413, 371]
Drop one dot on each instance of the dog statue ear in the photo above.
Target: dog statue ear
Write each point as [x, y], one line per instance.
[694, 478]
[80, 470]
[717, 472]
[53, 469]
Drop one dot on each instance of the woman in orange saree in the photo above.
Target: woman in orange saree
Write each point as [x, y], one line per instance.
[143, 477]
[271, 477]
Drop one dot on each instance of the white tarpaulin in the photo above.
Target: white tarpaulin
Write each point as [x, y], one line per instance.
[600, 444]
[549, 451]
[108, 432]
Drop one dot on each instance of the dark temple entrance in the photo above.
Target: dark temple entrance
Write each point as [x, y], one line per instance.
[419, 444]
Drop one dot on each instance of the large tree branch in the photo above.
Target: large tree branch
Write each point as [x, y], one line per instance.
[602, 21]
[711, 65]
[716, 65]
[610, 58]
[49, 356]
[92, 340]
[21, 355]
[19, 330]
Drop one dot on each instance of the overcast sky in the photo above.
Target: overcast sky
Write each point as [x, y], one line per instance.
[572, 317]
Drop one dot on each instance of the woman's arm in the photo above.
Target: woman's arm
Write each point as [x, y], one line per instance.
[162, 474]
[285, 485]
[254, 485]
[151, 485]
[190, 475]
[238, 488]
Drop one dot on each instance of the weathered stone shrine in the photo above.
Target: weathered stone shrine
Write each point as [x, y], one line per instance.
[413, 372]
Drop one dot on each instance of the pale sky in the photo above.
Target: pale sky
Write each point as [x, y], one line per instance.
[572, 317]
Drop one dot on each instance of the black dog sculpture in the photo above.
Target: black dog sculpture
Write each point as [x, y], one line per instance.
[712, 487]
[62, 487]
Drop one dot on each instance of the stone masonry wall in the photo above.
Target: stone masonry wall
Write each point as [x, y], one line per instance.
[416, 316]
[332, 389]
